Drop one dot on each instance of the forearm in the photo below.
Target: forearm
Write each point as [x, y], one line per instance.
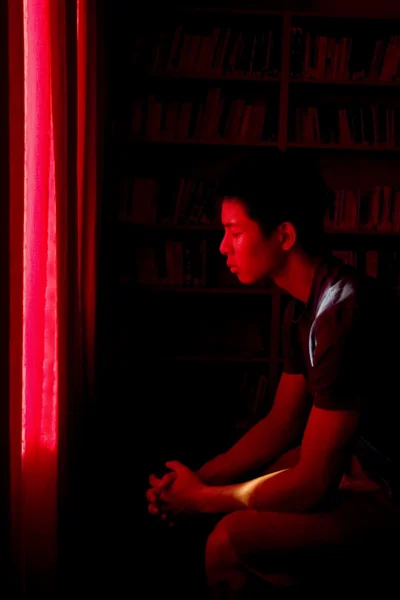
[283, 491]
[218, 471]
[262, 444]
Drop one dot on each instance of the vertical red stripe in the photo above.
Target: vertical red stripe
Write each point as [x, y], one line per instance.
[39, 399]
[39, 318]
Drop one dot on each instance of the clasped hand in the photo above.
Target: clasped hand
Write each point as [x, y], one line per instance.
[179, 491]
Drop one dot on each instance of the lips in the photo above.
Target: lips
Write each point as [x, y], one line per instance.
[233, 268]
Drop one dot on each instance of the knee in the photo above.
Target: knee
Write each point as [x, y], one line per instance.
[221, 557]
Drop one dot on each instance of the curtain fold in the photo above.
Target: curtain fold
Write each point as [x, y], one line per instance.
[16, 233]
[5, 265]
[87, 182]
[52, 226]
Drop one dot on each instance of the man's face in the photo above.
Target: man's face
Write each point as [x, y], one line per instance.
[249, 253]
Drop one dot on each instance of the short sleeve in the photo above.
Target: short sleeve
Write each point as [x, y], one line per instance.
[292, 357]
[339, 374]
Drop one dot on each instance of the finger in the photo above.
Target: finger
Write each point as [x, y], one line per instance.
[164, 496]
[174, 465]
[153, 509]
[165, 506]
[149, 495]
[168, 479]
[154, 481]
[152, 495]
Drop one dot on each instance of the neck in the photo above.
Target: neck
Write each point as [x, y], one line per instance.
[297, 274]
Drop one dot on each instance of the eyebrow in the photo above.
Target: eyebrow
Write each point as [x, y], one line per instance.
[231, 224]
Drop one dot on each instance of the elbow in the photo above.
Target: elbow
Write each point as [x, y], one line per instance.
[311, 489]
[310, 498]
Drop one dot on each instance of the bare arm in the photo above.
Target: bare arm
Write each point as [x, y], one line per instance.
[265, 441]
[324, 453]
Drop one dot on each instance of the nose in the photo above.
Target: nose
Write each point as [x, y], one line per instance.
[224, 246]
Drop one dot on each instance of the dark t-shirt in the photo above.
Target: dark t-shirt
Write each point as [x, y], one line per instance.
[346, 341]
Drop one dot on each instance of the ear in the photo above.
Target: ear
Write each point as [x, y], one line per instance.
[287, 235]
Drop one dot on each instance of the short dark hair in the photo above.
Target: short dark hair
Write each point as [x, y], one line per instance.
[281, 186]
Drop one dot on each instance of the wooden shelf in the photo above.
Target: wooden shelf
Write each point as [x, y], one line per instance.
[347, 147]
[345, 82]
[263, 144]
[331, 14]
[218, 358]
[177, 75]
[217, 10]
[201, 142]
[362, 233]
[172, 227]
[327, 14]
[206, 290]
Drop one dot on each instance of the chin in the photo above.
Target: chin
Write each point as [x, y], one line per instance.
[246, 279]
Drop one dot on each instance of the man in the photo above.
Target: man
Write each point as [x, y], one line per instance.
[334, 492]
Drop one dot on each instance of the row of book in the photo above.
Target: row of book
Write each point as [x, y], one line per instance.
[168, 200]
[232, 51]
[253, 120]
[196, 264]
[356, 57]
[376, 209]
[180, 264]
[218, 51]
[329, 124]
[226, 118]
[383, 265]
[171, 263]
[186, 201]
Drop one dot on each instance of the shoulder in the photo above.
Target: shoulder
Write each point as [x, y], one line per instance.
[346, 297]
[344, 318]
[357, 313]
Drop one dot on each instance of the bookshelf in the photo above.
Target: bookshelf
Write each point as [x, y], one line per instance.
[205, 85]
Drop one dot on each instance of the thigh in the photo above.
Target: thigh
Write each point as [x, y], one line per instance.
[296, 543]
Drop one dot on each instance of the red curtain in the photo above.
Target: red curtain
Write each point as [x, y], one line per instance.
[53, 232]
